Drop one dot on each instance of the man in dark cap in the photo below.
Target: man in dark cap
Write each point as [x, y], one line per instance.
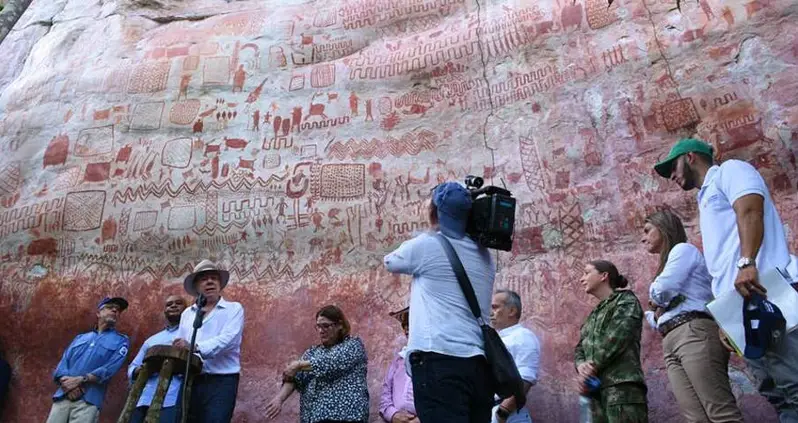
[87, 365]
[445, 347]
[218, 343]
[743, 236]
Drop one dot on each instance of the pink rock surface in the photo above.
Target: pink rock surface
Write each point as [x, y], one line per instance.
[296, 142]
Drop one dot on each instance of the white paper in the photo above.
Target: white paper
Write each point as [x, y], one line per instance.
[728, 308]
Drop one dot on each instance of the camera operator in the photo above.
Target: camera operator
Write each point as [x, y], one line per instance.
[451, 381]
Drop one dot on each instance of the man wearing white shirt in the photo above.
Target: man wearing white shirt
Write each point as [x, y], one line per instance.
[505, 315]
[218, 343]
[175, 305]
[742, 236]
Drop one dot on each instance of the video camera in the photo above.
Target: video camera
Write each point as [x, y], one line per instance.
[492, 216]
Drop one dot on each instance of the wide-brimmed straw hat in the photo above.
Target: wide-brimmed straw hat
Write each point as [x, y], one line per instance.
[205, 266]
[401, 314]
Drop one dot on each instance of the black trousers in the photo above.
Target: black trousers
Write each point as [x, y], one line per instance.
[451, 389]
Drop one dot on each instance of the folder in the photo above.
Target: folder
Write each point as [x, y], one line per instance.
[727, 309]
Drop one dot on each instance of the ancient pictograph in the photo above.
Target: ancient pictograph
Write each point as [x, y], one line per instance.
[184, 112]
[95, 141]
[679, 114]
[182, 217]
[296, 143]
[10, 178]
[534, 173]
[148, 77]
[409, 144]
[147, 116]
[177, 153]
[598, 14]
[145, 220]
[216, 71]
[322, 76]
[83, 210]
[339, 181]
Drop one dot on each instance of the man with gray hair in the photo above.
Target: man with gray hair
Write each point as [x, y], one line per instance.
[505, 314]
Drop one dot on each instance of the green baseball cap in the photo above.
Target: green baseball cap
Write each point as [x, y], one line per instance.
[684, 146]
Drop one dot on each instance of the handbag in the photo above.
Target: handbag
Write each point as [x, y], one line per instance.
[506, 380]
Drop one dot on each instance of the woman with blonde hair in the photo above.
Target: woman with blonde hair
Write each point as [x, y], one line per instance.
[696, 360]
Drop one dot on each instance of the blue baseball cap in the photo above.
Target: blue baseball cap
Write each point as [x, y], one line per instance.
[121, 302]
[764, 324]
[454, 205]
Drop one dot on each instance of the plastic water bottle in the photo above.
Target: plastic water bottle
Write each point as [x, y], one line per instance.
[585, 413]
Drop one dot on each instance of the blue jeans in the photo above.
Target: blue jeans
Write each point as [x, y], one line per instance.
[451, 389]
[213, 398]
[777, 376]
[168, 415]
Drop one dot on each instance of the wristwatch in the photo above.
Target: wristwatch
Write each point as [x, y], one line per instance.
[745, 262]
[84, 379]
[502, 413]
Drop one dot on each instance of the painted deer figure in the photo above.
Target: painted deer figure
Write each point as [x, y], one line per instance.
[315, 109]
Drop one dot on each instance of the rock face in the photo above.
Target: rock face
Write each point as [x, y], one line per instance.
[296, 143]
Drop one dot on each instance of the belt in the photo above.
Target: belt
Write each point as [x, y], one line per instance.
[681, 319]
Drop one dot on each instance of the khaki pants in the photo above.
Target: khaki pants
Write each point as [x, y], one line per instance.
[66, 411]
[698, 366]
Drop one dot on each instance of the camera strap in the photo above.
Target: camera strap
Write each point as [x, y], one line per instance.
[462, 277]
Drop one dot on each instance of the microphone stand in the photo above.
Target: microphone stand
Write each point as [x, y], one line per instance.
[201, 301]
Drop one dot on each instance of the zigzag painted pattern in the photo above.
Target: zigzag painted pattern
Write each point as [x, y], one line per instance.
[410, 143]
[142, 192]
[237, 273]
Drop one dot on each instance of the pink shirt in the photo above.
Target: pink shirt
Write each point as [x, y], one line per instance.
[397, 391]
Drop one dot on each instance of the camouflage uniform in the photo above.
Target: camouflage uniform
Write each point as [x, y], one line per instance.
[610, 339]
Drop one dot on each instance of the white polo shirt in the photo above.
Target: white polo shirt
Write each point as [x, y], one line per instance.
[723, 185]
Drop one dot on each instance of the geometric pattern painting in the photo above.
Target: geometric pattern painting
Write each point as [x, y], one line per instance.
[83, 210]
[177, 153]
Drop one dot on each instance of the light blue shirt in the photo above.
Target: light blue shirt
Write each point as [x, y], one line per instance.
[440, 318]
[101, 354]
[164, 337]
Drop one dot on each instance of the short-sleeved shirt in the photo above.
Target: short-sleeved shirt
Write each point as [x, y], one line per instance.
[723, 185]
[440, 318]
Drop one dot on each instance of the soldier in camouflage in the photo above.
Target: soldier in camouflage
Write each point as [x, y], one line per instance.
[609, 348]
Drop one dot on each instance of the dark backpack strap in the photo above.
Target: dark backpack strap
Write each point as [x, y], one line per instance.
[462, 277]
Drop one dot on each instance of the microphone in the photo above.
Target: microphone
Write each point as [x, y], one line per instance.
[201, 301]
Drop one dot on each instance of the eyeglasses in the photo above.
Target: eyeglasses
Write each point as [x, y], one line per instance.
[325, 326]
